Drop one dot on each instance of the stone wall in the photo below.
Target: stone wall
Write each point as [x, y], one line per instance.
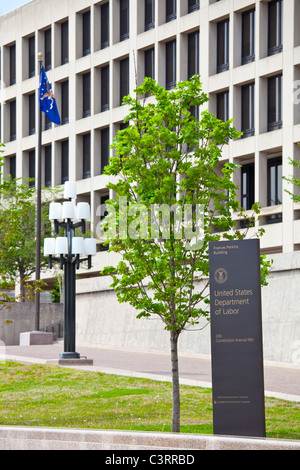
[22, 316]
[103, 322]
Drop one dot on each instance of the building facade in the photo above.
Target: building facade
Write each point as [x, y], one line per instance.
[95, 52]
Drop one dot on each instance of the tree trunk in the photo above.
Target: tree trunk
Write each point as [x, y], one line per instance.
[175, 382]
[22, 285]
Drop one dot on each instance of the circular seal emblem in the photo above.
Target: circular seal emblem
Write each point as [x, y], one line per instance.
[221, 275]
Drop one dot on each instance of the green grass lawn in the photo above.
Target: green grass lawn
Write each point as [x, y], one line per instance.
[39, 395]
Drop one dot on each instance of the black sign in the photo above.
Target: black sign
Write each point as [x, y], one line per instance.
[236, 338]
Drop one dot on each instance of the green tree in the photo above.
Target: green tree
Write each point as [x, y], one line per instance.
[165, 158]
[17, 231]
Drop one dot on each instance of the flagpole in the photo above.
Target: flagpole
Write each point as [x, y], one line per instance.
[38, 208]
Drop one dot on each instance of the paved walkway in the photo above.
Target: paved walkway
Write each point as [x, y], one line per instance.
[279, 382]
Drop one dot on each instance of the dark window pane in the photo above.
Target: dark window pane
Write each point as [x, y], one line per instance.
[64, 161]
[124, 78]
[274, 187]
[13, 120]
[65, 42]
[104, 148]
[275, 181]
[105, 88]
[104, 25]
[32, 114]
[248, 110]
[247, 186]
[149, 63]
[248, 35]
[31, 169]
[274, 103]
[170, 10]
[13, 167]
[48, 49]
[223, 46]
[12, 56]
[86, 88]
[86, 156]
[275, 27]
[124, 19]
[65, 102]
[149, 14]
[170, 64]
[31, 57]
[193, 54]
[48, 123]
[86, 33]
[48, 170]
[193, 5]
[223, 106]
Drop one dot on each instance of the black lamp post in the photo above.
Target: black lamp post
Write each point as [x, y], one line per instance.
[67, 251]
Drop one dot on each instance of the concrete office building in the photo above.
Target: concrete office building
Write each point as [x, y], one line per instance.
[248, 55]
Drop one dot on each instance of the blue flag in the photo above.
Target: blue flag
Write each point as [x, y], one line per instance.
[47, 99]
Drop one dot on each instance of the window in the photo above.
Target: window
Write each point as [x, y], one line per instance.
[65, 102]
[105, 88]
[48, 49]
[170, 10]
[248, 110]
[86, 33]
[193, 54]
[48, 123]
[31, 100]
[13, 167]
[124, 79]
[274, 103]
[64, 42]
[275, 27]
[124, 20]
[31, 56]
[222, 46]
[104, 213]
[48, 161]
[223, 106]
[193, 5]
[274, 187]
[86, 153]
[247, 186]
[64, 161]
[248, 35]
[149, 14]
[31, 168]
[13, 120]
[104, 148]
[170, 64]
[86, 90]
[149, 63]
[12, 64]
[105, 26]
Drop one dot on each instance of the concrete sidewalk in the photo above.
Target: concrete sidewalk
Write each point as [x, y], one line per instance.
[280, 382]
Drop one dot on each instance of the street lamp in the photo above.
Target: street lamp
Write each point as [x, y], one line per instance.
[67, 250]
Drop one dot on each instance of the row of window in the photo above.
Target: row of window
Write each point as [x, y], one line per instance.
[247, 179]
[246, 113]
[274, 106]
[222, 55]
[248, 36]
[62, 159]
[274, 186]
